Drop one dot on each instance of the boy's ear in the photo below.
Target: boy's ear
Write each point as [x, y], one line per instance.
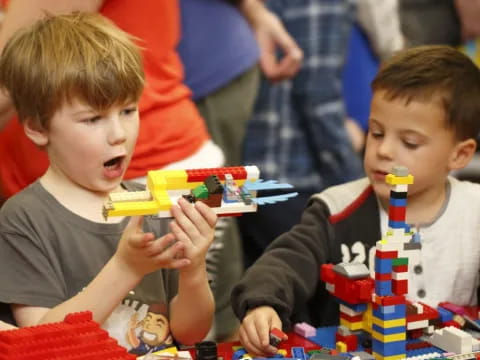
[462, 154]
[36, 133]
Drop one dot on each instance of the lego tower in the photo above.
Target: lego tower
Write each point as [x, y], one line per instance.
[391, 274]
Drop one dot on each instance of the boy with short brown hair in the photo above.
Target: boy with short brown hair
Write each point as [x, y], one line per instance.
[425, 115]
[75, 81]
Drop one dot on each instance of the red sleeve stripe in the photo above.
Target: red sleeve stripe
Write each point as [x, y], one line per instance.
[335, 218]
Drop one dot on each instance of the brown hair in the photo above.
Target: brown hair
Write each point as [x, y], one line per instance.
[429, 73]
[80, 56]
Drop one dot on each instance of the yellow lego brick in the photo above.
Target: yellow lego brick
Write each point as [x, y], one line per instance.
[389, 338]
[164, 202]
[155, 181]
[341, 346]
[399, 180]
[282, 352]
[352, 325]
[133, 208]
[367, 319]
[393, 357]
[170, 352]
[389, 323]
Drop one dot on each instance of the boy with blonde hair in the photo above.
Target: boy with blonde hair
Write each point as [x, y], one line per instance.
[425, 115]
[75, 81]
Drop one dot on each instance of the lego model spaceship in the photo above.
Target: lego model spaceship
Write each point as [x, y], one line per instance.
[229, 191]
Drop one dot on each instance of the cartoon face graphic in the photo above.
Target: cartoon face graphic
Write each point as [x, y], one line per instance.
[155, 329]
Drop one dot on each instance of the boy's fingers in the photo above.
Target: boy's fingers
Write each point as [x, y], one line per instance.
[207, 213]
[135, 222]
[185, 217]
[140, 240]
[249, 341]
[167, 245]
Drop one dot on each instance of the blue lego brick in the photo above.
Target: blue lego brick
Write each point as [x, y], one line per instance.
[445, 315]
[298, 353]
[390, 309]
[383, 266]
[399, 313]
[398, 202]
[354, 307]
[325, 337]
[396, 224]
[383, 288]
[389, 331]
[389, 349]
[238, 354]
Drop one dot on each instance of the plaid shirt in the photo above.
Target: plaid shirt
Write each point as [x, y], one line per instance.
[297, 132]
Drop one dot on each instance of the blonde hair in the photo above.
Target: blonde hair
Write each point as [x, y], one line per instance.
[81, 56]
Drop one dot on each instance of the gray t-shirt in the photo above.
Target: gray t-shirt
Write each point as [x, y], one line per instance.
[48, 254]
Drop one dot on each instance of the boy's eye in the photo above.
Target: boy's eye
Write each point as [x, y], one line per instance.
[376, 134]
[410, 144]
[93, 119]
[129, 110]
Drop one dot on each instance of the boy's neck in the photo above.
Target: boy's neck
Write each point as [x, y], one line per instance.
[424, 207]
[83, 202]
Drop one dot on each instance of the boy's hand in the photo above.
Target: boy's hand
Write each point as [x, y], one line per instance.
[255, 330]
[194, 227]
[141, 253]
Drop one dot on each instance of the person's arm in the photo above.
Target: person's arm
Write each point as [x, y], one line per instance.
[272, 36]
[285, 277]
[191, 310]
[137, 254]
[20, 13]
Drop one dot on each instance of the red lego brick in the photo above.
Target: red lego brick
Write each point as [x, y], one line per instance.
[400, 287]
[78, 337]
[386, 254]
[383, 277]
[327, 274]
[197, 175]
[400, 268]
[429, 313]
[350, 340]
[352, 319]
[390, 300]
[397, 213]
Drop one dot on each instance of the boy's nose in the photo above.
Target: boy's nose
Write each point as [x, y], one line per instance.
[385, 149]
[117, 133]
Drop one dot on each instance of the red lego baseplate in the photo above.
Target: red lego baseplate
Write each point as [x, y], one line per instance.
[78, 337]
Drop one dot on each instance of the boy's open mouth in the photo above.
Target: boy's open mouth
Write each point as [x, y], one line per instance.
[113, 163]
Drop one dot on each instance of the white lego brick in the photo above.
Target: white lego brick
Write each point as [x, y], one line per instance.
[400, 275]
[350, 312]
[400, 188]
[417, 324]
[330, 287]
[388, 246]
[432, 355]
[419, 307]
[452, 339]
[253, 172]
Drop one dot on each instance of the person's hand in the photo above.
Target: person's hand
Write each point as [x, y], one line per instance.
[255, 330]
[194, 227]
[469, 14]
[272, 37]
[142, 254]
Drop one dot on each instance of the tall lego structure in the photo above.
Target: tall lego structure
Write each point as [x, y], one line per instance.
[389, 309]
[378, 306]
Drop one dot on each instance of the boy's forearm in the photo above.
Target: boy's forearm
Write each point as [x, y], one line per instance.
[191, 310]
[104, 293]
